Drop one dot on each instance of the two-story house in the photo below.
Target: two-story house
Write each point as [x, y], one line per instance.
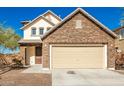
[31, 44]
[78, 41]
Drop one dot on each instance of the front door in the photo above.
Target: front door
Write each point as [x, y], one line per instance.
[26, 60]
[38, 53]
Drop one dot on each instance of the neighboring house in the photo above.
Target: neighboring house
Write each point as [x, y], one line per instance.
[79, 41]
[31, 43]
[120, 41]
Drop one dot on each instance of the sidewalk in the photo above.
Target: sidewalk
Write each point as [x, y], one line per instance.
[36, 69]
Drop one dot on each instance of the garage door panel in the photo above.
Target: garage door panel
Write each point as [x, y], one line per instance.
[77, 57]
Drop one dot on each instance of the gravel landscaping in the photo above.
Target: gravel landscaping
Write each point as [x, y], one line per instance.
[16, 78]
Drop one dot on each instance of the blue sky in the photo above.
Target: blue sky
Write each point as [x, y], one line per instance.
[11, 16]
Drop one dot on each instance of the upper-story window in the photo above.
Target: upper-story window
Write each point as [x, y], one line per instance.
[122, 33]
[33, 31]
[48, 28]
[41, 29]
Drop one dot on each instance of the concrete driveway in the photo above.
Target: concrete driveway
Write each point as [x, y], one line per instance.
[86, 77]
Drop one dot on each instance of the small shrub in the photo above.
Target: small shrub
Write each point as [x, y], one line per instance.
[17, 63]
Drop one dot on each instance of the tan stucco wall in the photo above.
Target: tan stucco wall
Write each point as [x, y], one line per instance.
[30, 53]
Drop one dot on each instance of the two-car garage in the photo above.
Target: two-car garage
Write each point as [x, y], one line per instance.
[78, 56]
[79, 41]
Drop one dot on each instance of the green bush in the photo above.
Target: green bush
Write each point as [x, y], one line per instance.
[17, 63]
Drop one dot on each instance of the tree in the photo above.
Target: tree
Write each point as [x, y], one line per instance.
[8, 38]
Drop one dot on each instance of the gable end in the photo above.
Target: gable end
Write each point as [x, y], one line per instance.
[102, 27]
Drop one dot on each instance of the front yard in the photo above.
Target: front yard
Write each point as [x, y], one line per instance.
[62, 77]
[16, 78]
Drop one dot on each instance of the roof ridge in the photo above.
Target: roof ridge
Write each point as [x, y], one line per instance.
[49, 11]
[41, 15]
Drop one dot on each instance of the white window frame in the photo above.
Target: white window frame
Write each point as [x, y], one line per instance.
[42, 30]
[32, 31]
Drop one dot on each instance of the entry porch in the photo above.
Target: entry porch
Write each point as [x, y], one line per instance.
[31, 52]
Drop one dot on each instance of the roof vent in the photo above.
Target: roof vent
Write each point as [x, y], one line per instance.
[25, 22]
[78, 24]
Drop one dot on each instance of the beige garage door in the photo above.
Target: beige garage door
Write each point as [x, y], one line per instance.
[77, 57]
